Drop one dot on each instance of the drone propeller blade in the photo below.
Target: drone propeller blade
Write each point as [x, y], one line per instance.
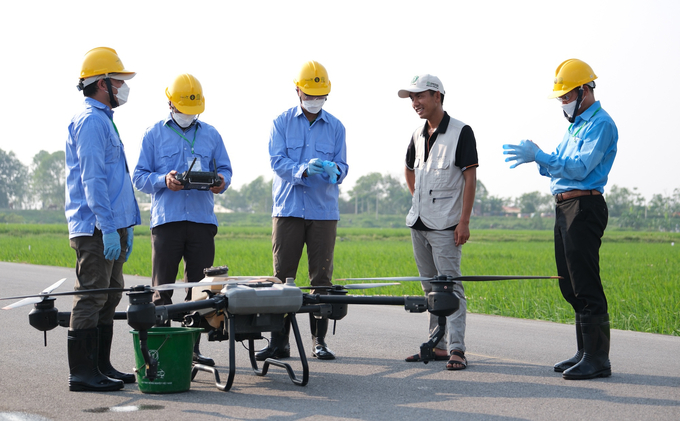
[81, 292]
[36, 298]
[368, 286]
[25, 301]
[53, 286]
[472, 278]
[350, 286]
[394, 278]
[482, 278]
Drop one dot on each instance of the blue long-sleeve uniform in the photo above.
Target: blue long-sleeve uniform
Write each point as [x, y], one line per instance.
[99, 192]
[292, 143]
[164, 150]
[585, 157]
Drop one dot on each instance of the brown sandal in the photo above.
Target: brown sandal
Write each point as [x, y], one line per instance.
[457, 365]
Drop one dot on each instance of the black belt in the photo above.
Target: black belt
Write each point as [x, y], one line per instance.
[571, 194]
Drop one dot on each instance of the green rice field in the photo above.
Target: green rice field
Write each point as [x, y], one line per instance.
[640, 270]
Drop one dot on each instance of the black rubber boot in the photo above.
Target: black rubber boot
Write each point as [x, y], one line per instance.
[201, 359]
[105, 367]
[319, 328]
[595, 361]
[566, 364]
[83, 356]
[279, 346]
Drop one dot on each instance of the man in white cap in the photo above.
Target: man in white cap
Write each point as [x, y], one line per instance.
[441, 173]
[101, 211]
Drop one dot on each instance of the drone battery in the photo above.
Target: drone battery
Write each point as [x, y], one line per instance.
[274, 299]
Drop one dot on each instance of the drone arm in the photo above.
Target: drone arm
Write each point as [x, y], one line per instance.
[218, 302]
[360, 299]
[64, 318]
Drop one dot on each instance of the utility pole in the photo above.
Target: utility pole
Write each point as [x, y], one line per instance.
[377, 195]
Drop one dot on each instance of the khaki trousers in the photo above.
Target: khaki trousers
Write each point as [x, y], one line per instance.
[93, 271]
[289, 236]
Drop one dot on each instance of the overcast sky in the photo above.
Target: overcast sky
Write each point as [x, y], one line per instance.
[496, 60]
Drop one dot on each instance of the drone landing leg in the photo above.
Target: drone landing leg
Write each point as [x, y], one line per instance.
[232, 362]
[278, 363]
[427, 353]
[200, 367]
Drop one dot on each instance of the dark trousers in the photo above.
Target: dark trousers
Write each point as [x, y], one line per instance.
[289, 236]
[579, 226]
[174, 241]
[93, 271]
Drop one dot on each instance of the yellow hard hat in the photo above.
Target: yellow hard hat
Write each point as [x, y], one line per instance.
[186, 94]
[102, 61]
[571, 74]
[313, 79]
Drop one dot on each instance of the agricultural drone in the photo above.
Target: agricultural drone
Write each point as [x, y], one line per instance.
[241, 308]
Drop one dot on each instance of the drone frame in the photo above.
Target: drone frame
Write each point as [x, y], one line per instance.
[142, 314]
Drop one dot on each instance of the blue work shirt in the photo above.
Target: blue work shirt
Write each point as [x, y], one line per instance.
[292, 143]
[99, 192]
[164, 150]
[586, 155]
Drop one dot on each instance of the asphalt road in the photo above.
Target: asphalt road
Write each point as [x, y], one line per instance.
[510, 375]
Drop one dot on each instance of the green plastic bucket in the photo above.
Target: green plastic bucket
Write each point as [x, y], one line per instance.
[173, 347]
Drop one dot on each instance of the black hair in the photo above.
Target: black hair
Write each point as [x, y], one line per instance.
[90, 90]
[440, 93]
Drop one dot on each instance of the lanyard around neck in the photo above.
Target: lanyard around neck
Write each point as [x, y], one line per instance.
[127, 170]
[582, 124]
[191, 143]
[116, 129]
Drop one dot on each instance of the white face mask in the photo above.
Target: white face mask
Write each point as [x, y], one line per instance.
[313, 106]
[569, 108]
[183, 120]
[123, 93]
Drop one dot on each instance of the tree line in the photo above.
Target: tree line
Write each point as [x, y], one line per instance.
[41, 186]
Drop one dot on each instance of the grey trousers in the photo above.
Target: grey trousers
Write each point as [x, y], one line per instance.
[436, 254]
[93, 271]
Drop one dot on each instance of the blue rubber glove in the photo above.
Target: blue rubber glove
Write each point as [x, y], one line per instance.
[332, 171]
[522, 153]
[315, 166]
[111, 245]
[130, 236]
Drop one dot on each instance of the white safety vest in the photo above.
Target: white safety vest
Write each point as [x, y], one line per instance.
[439, 183]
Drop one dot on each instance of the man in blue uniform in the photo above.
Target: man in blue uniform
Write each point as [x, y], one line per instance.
[183, 222]
[309, 158]
[101, 211]
[578, 171]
